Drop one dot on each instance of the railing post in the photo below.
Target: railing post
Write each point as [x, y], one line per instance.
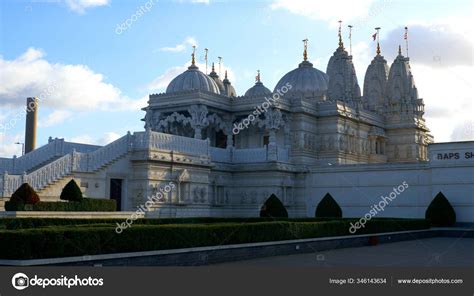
[5, 177]
[24, 178]
[14, 163]
[73, 159]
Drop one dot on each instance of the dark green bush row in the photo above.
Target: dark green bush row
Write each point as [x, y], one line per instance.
[85, 205]
[440, 212]
[77, 241]
[25, 223]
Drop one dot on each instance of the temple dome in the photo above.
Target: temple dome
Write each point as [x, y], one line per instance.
[217, 80]
[305, 79]
[258, 90]
[229, 89]
[192, 79]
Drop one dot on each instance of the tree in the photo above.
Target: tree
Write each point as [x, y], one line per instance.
[328, 207]
[25, 195]
[440, 212]
[71, 192]
[273, 207]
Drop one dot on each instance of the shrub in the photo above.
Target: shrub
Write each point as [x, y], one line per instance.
[63, 241]
[25, 195]
[440, 212]
[85, 205]
[71, 192]
[273, 208]
[328, 207]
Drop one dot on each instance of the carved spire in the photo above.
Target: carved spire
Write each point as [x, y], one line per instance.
[225, 77]
[213, 70]
[399, 50]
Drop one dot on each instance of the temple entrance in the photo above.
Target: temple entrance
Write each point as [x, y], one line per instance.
[116, 192]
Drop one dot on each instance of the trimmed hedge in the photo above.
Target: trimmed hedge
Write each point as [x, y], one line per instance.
[25, 194]
[85, 205]
[25, 223]
[78, 241]
[440, 212]
[273, 207]
[328, 207]
[71, 192]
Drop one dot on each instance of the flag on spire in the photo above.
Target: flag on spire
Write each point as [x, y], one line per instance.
[374, 36]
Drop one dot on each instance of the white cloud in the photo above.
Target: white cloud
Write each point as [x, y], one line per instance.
[435, 45]
[109, 138]
[200, 1]
[105, 139]
[441, 61]
[329, 11]
[59, 86]
[188, 42]
[80, 6]
[54, 118]
[448, 100]
[83, 139]
[161, 82]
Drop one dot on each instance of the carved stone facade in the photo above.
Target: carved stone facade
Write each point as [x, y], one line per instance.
[226, 154]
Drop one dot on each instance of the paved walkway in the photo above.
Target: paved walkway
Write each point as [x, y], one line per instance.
[439, 251]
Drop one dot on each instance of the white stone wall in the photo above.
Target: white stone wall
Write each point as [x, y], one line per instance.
[357, 188]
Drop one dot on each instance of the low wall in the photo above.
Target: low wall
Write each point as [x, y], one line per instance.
[226, 253]
[67, 215]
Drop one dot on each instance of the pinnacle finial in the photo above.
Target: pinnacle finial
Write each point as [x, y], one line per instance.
[213, 70]
[377, 36]
[305, 52]
[257, 78]
[225, 76]
[193, 60]
[399, 50]
[341, 44]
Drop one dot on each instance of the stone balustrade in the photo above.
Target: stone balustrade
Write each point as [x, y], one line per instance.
[55, 148]
[95, 158]
[161, 141]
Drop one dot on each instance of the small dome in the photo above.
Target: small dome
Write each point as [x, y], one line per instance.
[192, 79]
[258, 90]
[217, 80]
[229, 89]
[304, 79]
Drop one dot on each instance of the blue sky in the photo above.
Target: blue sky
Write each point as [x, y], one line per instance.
[101, 79]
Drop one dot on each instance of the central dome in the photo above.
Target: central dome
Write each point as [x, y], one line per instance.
[305, 79]
[192, 79]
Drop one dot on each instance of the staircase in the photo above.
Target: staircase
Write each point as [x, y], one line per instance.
[67, 165]
[37, 158]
